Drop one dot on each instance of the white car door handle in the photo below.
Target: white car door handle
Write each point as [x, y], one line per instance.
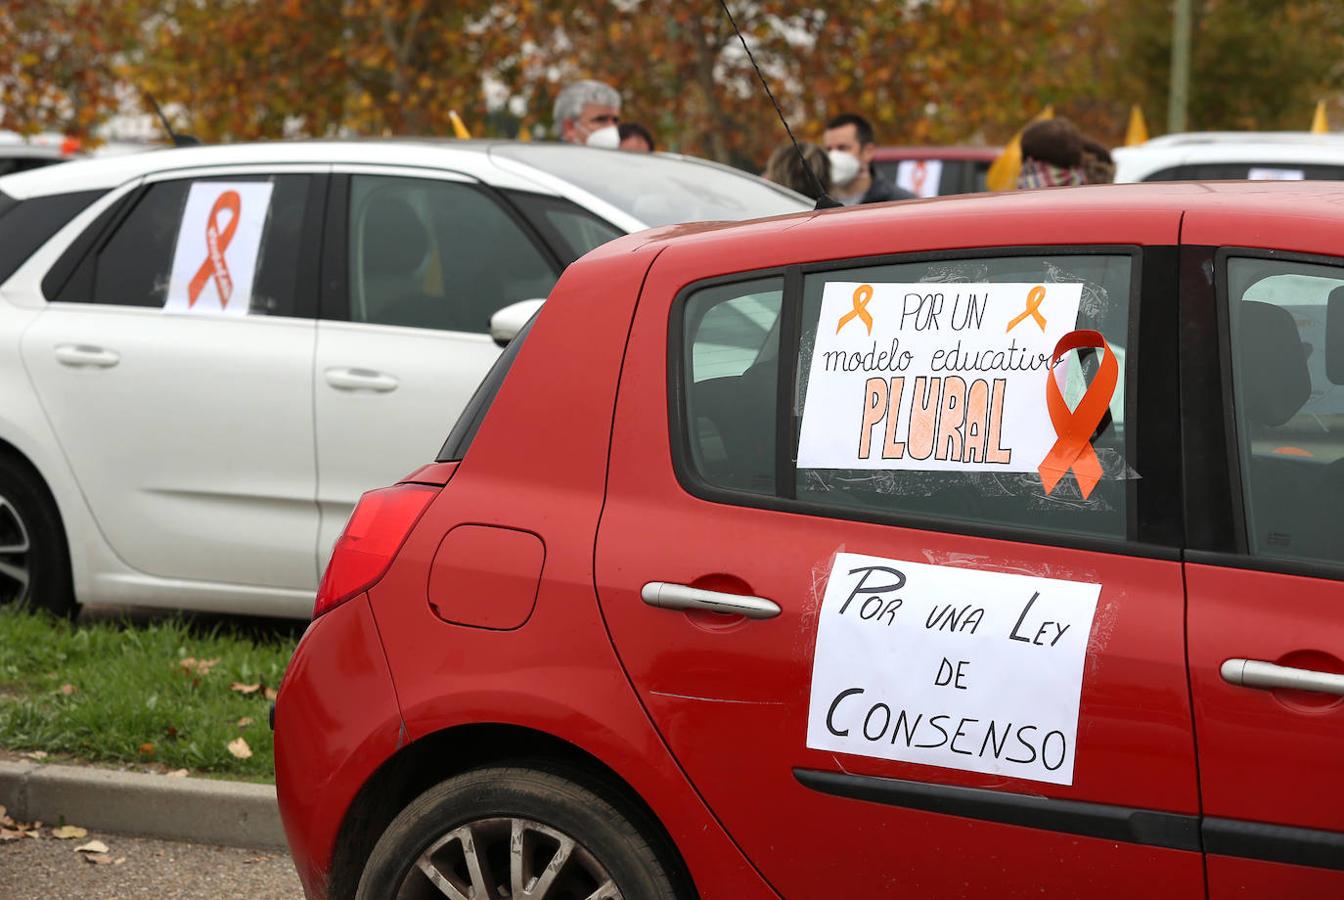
[81, 355]
[361, 380]
[1254, 673]
[680, 596]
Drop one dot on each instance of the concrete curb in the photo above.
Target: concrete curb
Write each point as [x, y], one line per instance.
[199, 810]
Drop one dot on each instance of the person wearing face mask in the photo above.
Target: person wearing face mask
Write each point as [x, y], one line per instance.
[588, 112]
[850, 146]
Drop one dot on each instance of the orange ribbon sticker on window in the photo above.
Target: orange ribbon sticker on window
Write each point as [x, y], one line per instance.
[1034, 300]
[1074, 427]
[862, 294]
[216, 242]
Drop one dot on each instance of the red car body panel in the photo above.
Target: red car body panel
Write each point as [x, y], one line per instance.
[703, 718]
[336, 722]
[978, 154]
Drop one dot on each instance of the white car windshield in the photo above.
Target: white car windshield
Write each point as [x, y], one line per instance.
[660, 189]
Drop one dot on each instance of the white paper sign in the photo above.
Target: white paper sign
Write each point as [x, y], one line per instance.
[217, 247]
[1266, 174]
[934, 377]
[950, 667]
[920, 177]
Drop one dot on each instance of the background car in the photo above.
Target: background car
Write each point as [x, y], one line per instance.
[19, 153]
[1233, 155]
[160, 446]
[936, 171]
[621, 639]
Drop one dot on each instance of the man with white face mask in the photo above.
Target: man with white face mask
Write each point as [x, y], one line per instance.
[587, 112]
[850, 146]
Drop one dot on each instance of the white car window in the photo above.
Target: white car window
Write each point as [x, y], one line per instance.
[134, 265]
[437, 254]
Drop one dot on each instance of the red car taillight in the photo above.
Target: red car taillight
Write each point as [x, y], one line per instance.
[372, 537]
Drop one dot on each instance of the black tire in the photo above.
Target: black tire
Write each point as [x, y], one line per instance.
[27, 511]
[603, 833]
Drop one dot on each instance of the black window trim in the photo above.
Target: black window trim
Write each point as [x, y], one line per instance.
[1135, 543]
[1237, 554]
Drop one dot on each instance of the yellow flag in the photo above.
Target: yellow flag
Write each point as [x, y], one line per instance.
[459, 129]
[1137, 132]
[1003, 171]
[1319, 124]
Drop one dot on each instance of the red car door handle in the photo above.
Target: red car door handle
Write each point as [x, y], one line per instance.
[1254, 673]
[680, 596]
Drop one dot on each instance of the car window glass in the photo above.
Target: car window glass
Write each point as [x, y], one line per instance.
[1266, 171]
[971, 439]
[25, 226]
[570, 229]
[730, 370]
[437, 254]
[1287, 323]
[135, 265]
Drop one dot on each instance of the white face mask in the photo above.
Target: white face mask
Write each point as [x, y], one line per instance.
[608, 138]
[844, 167]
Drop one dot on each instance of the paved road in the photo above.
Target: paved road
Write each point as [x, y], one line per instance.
[50, 869]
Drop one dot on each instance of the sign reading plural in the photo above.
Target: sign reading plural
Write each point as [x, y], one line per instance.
[951, 667]
[934, 376]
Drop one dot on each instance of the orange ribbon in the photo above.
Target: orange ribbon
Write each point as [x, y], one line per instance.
[216, 243]
[919, 173]
[1035, 297]
[1073, 446]
[862, 294]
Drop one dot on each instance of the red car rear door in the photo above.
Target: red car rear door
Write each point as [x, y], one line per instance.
[914, 661]
[1263, 385]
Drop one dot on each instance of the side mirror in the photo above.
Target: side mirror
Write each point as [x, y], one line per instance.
[507, 322]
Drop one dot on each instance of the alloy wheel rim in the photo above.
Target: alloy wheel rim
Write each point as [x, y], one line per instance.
[514, 858]
[15, 551]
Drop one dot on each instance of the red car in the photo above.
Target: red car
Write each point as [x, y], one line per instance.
[986, 547]
[936, 171]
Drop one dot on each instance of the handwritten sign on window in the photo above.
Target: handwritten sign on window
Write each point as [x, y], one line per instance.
[934, 377]
[950, 667]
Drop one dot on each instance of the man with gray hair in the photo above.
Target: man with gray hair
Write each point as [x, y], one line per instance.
[587, 112]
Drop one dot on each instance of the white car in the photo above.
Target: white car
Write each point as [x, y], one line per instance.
[1239, 155]
[207, 354]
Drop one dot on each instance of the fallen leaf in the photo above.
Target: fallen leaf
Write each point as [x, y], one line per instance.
[92, 847]
[271, 693]
[244, 688]
[7, 834]
[245, 721]
[118, 861]
[100, 859]
[67, 689]
[199, 666]
[36, 754]
[66, 832]
[170, 731]
[146, 749]
[178, 773]
[240, 749]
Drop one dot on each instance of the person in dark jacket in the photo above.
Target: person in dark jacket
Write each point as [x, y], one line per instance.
[850, 145]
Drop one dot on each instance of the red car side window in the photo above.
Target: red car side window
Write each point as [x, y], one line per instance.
[1287, 323]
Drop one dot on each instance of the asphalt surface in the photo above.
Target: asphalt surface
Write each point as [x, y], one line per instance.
[52, 869]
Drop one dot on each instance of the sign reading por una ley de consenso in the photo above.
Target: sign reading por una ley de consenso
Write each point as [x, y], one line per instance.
[218, 243]
[951, 667]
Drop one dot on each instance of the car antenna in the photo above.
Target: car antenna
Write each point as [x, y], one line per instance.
[824, 200]
[179, 140]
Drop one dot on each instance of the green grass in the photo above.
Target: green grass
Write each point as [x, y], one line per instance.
[132, 700]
